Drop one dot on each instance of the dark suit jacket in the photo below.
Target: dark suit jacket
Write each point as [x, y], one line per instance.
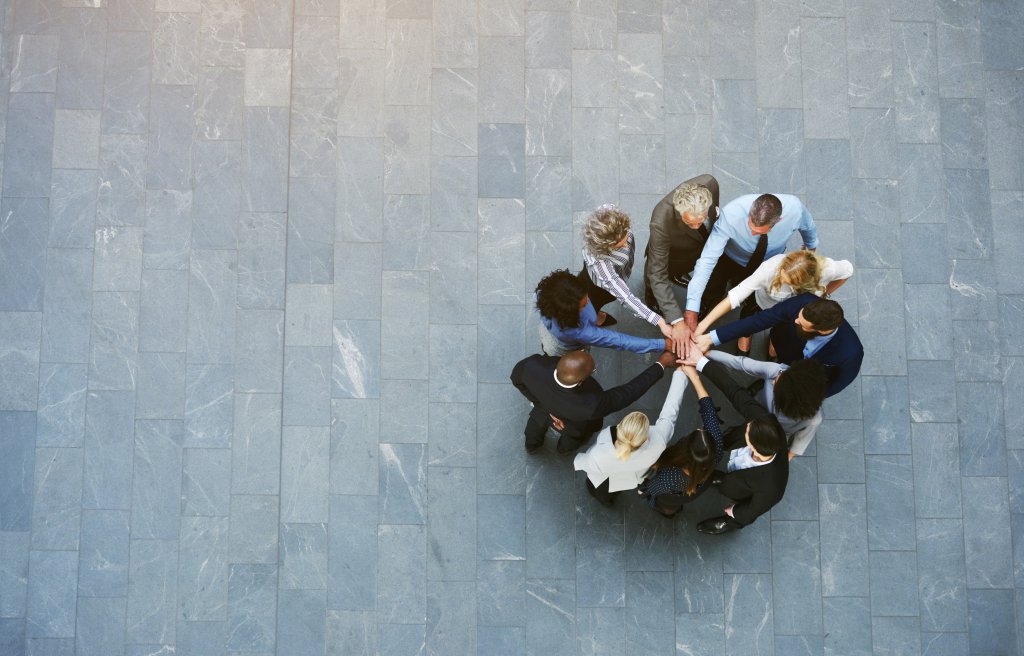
[841, 356]
[673, 248]
[585, 405]
[757, 489]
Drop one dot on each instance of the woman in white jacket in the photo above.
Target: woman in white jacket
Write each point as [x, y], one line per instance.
[622, 454]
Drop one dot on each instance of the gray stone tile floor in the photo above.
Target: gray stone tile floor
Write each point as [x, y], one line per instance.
[265, 267]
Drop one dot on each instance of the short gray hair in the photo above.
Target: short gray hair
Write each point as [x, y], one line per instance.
[692, 198]
[605, 227]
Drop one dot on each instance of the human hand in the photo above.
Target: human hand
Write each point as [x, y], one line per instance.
[557, 423]
[694, 356]
[704, 343]
[665, 328]
[729, 509]
[690, 317]
[681, 338]
[667, 359]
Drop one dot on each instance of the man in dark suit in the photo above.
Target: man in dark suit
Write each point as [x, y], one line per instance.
[562, 391]
[680, 224]
[804, 326]
[757, 466]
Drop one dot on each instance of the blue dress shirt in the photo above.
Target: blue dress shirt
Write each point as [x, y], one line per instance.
[588, 333]
[731, 235]
[815, 344]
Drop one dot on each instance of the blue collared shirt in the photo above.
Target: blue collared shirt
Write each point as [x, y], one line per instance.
[815, 344]
[588, 333]
[731, 235]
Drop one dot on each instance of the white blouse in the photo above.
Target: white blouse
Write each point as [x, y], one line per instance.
[759, 283]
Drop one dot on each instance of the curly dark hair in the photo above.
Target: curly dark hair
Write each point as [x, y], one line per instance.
[694, 454]
[558, 298]
[800, 390]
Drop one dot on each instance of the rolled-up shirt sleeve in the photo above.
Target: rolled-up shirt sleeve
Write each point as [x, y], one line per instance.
[808, 230]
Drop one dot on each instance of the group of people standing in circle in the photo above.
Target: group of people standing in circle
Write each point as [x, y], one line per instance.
[726, 258]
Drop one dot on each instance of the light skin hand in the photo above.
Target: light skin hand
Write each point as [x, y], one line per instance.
[704, 343]
[557, 423]
[690, 317]
[665, 328]
[681, 338]
[729, 509]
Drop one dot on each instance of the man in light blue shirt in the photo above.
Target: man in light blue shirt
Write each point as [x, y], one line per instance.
[737, 234]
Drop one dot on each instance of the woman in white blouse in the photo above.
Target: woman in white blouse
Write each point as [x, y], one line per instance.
[622, 454]
[608, 250]
[778, 278]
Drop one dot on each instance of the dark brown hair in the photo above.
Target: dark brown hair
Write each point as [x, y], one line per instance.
[766, 210]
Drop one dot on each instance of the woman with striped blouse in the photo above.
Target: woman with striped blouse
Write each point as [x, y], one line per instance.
[608, 250]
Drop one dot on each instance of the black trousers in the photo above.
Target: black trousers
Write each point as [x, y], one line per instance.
[724, 276]
[573, 436]
[670, 504]
[601, 492]
[599, 296]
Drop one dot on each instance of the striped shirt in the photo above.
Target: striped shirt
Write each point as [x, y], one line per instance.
[610, 272]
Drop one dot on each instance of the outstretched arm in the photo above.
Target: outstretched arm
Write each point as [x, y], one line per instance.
[620, 397]
[598, 336]
[713, 249]
[658, 253]
[739, 396]
[784, 311]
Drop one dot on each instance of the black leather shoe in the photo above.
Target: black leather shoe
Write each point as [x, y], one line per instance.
[715, 525]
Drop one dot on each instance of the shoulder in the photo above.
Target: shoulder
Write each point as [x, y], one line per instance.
[797, 302]
[789, 202]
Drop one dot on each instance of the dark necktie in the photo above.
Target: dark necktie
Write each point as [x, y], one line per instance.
[758, 257]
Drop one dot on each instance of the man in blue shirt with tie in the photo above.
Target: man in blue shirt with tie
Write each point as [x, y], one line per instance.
[750, 229]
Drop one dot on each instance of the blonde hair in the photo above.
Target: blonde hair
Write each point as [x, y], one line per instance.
[803, 269]
[631, 434]
[692, 198]
[605, 227]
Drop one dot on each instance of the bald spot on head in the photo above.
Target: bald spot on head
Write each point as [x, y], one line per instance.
[574, 367]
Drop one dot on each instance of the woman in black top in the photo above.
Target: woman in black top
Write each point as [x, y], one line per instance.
[684, 469]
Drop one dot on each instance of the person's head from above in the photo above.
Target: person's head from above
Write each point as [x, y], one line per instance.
[692, 203]
[801, 270]
[819, 317]
[606, 229]
[574, 367]
[694, 454]
[765, 436]
[631, 434]
[764, 213]
[800, 390]
[561, 297]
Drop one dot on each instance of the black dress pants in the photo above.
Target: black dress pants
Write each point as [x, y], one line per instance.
[573, 436]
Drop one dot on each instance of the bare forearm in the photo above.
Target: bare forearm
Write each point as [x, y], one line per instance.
[719, 311]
